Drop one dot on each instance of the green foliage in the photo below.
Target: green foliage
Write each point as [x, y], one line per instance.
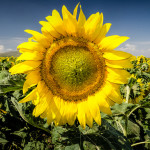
[138, 85]
[131, 120]
[127, 128]
[18, 128]
[15, 133]
[99, 137]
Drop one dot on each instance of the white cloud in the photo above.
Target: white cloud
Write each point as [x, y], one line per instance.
[1, 48]
[9, 49]
[128, 47]
[136, 48]
[10, 44]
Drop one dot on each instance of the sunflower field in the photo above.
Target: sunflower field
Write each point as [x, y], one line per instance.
[70, 89]
[127, 128]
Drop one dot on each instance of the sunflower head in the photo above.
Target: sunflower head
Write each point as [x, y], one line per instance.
[74, 66]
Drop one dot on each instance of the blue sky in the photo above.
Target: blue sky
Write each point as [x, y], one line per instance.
[128, 17]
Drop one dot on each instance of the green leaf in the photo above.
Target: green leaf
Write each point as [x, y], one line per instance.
[10, 82]
[146, 74]
[3, 141]
[73, 147]
[88, 146]
[98, 137]
[3, 74]
[11, 88]
[148, 113]
[133, 129]
[122, 109]
[35, 145]
[20, 133]
[26, 114]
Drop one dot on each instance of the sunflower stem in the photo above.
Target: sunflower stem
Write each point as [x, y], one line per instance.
[119, 124]
[125, 131]
[133, 110]
[126, 126]
[128, 93]
[80, 138]
[140, 143]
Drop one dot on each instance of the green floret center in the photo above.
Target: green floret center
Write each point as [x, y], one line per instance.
[73, 67]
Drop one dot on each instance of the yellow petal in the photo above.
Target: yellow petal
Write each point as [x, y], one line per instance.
[81, 22]
[70, 22]
[111, 91]
[44, 114]
[31, 96]
[52, 111]
[42, 92]
[114, 94]
[105, 28]
[32, 79]
[63, 108]
[94, 109]
[31, 39]
[43, 40]
[37, 100]
[57, 102]
[50, 29]
[82, 18]
[91, 25]
[41, 106]
[71, 112]
[47, 34]
[50, 115]
[116, 55]
[75, 11]
[24, 67]
[56, 21]
[31, 56]
[109, 101]
[31, 46]
[84, 114]
[88, 116]
[81, 114]
[111, 42]
[97, 30]
[125, 63]
[42, 88]
[119, 76]
[100, 97]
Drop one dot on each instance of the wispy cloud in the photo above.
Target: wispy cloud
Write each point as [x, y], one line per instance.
[10, 44]
[1, 48]
[128, 47]
[137, 48]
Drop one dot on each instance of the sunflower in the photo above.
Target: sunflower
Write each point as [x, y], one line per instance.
[75, 68]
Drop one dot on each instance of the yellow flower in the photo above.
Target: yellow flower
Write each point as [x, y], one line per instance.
[137, 99]
[141, 59]
[75, 67]
[133, 76]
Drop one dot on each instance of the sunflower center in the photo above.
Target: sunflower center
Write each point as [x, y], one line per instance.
[73, 68]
